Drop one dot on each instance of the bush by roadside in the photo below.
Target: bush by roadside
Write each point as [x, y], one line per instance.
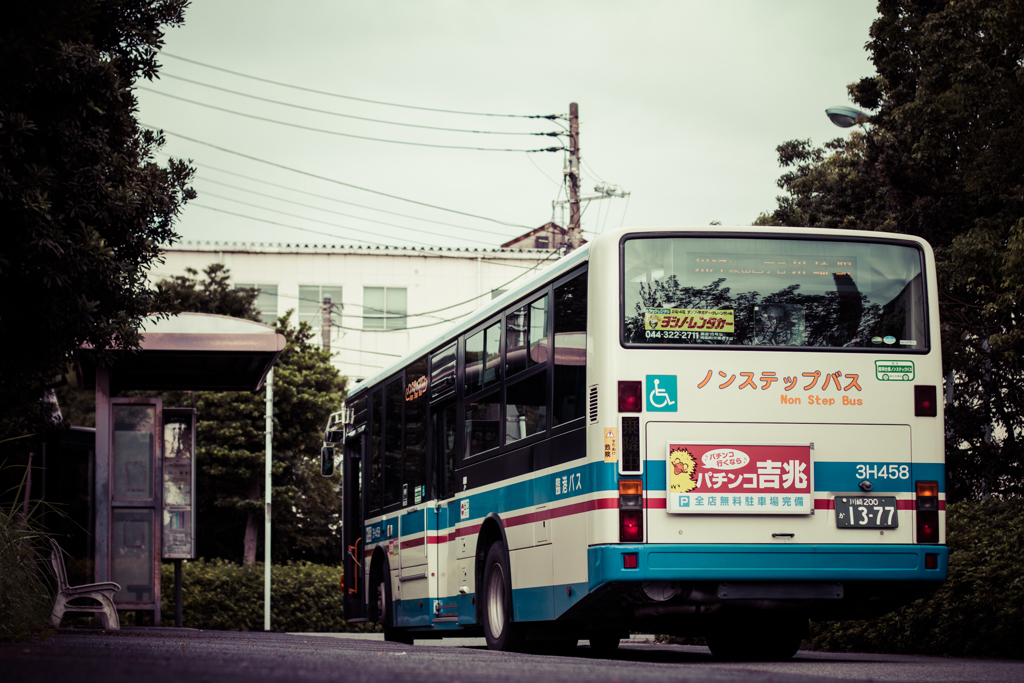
[219, 595]
[978, 612]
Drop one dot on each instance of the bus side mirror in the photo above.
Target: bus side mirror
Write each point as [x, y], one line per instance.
[327, 461]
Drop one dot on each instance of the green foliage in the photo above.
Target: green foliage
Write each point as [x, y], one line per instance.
[219, 595]
[186, 293]
[25, 598]
[83, 205]
[231, 443]
[941, 160]
[978, 612]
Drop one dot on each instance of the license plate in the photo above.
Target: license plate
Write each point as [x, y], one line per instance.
[866, 512]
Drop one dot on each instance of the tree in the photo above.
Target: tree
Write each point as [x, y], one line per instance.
[230, 440]
[941, 159]
[84, 207]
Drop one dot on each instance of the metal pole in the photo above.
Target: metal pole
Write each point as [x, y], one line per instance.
[177, 593]
[267, 489]
[325, 323]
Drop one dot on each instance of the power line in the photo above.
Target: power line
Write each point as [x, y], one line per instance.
[263, 194]
[335, 225]
[317, 208]
[206, 166]
[542, 171]
[285, 225]
[360, 99]
[332, 180]
[426, 314]
[350, 116]
[438, 254]
[344, 135]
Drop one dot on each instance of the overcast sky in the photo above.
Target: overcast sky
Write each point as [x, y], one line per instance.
[681, 103]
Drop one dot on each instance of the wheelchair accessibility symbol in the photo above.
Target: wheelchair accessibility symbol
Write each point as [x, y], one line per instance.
[661, 393]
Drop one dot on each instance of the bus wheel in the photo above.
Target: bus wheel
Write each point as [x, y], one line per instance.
[386, 610]
[501, 632]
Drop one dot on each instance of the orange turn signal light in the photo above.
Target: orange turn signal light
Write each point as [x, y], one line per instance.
[631, 487]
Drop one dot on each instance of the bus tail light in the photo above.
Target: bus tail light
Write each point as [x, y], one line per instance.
[927, 505]
[631, 397]
[631, 526]
[925, 404]
[631, 510]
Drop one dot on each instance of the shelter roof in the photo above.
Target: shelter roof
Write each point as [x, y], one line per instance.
[192, 351]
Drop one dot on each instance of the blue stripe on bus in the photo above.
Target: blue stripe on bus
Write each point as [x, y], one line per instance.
[765, 562]
[599, 477]
[842, 476]
[521, 496]
[544, 603]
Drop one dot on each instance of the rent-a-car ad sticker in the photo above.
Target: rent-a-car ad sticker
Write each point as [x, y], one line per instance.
[739, 479]
[690, 320]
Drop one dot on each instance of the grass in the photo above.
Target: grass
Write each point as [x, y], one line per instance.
[25, 597]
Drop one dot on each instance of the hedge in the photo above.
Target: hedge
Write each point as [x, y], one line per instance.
[220, 595]
[978, 612]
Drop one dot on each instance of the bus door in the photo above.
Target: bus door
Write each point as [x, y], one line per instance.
[352, 531]
[442, 546]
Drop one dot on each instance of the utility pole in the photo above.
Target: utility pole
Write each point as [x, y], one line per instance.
[326, 323]
[573, 172]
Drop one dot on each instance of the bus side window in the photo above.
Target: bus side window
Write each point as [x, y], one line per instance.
[376, 450]
[570, 350]
[414, 476]
[394, 399]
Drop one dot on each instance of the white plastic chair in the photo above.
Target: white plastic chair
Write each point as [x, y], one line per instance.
[103, 593]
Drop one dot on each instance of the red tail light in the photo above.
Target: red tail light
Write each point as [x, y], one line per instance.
[927, 505]
[631, 526]
[631, 397]
[630, 560]
[925, 404]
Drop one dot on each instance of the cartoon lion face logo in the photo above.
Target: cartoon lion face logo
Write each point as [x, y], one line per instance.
[683, 476]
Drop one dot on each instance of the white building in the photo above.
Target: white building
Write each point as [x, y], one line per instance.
[385, 301]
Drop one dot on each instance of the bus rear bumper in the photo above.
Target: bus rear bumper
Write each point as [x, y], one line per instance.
[676, 562]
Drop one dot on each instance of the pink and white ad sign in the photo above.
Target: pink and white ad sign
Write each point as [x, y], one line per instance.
[743, 479]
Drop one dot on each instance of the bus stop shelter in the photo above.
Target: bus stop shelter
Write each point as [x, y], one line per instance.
[144, 478]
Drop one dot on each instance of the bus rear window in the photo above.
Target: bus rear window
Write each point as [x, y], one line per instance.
[774, 292]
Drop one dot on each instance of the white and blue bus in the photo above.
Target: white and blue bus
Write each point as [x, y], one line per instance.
[695, 431]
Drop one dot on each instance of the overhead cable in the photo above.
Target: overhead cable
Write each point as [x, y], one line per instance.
[204, 167]
[362, 218]
[335, 225]
[361, 99]
[425, 254]
[332, 180]
[344, 135]
[351, 116]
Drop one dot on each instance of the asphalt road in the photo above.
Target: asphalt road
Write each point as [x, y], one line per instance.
[183, 655]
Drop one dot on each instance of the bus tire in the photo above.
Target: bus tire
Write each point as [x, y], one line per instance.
[386, 608]
[500, 629]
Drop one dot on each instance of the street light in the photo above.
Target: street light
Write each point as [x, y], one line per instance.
[844, 117]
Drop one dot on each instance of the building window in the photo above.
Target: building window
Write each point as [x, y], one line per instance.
[384, 308]
[311, 301]
[266, 302]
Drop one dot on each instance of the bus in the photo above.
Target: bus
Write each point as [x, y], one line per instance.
[717, 432]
